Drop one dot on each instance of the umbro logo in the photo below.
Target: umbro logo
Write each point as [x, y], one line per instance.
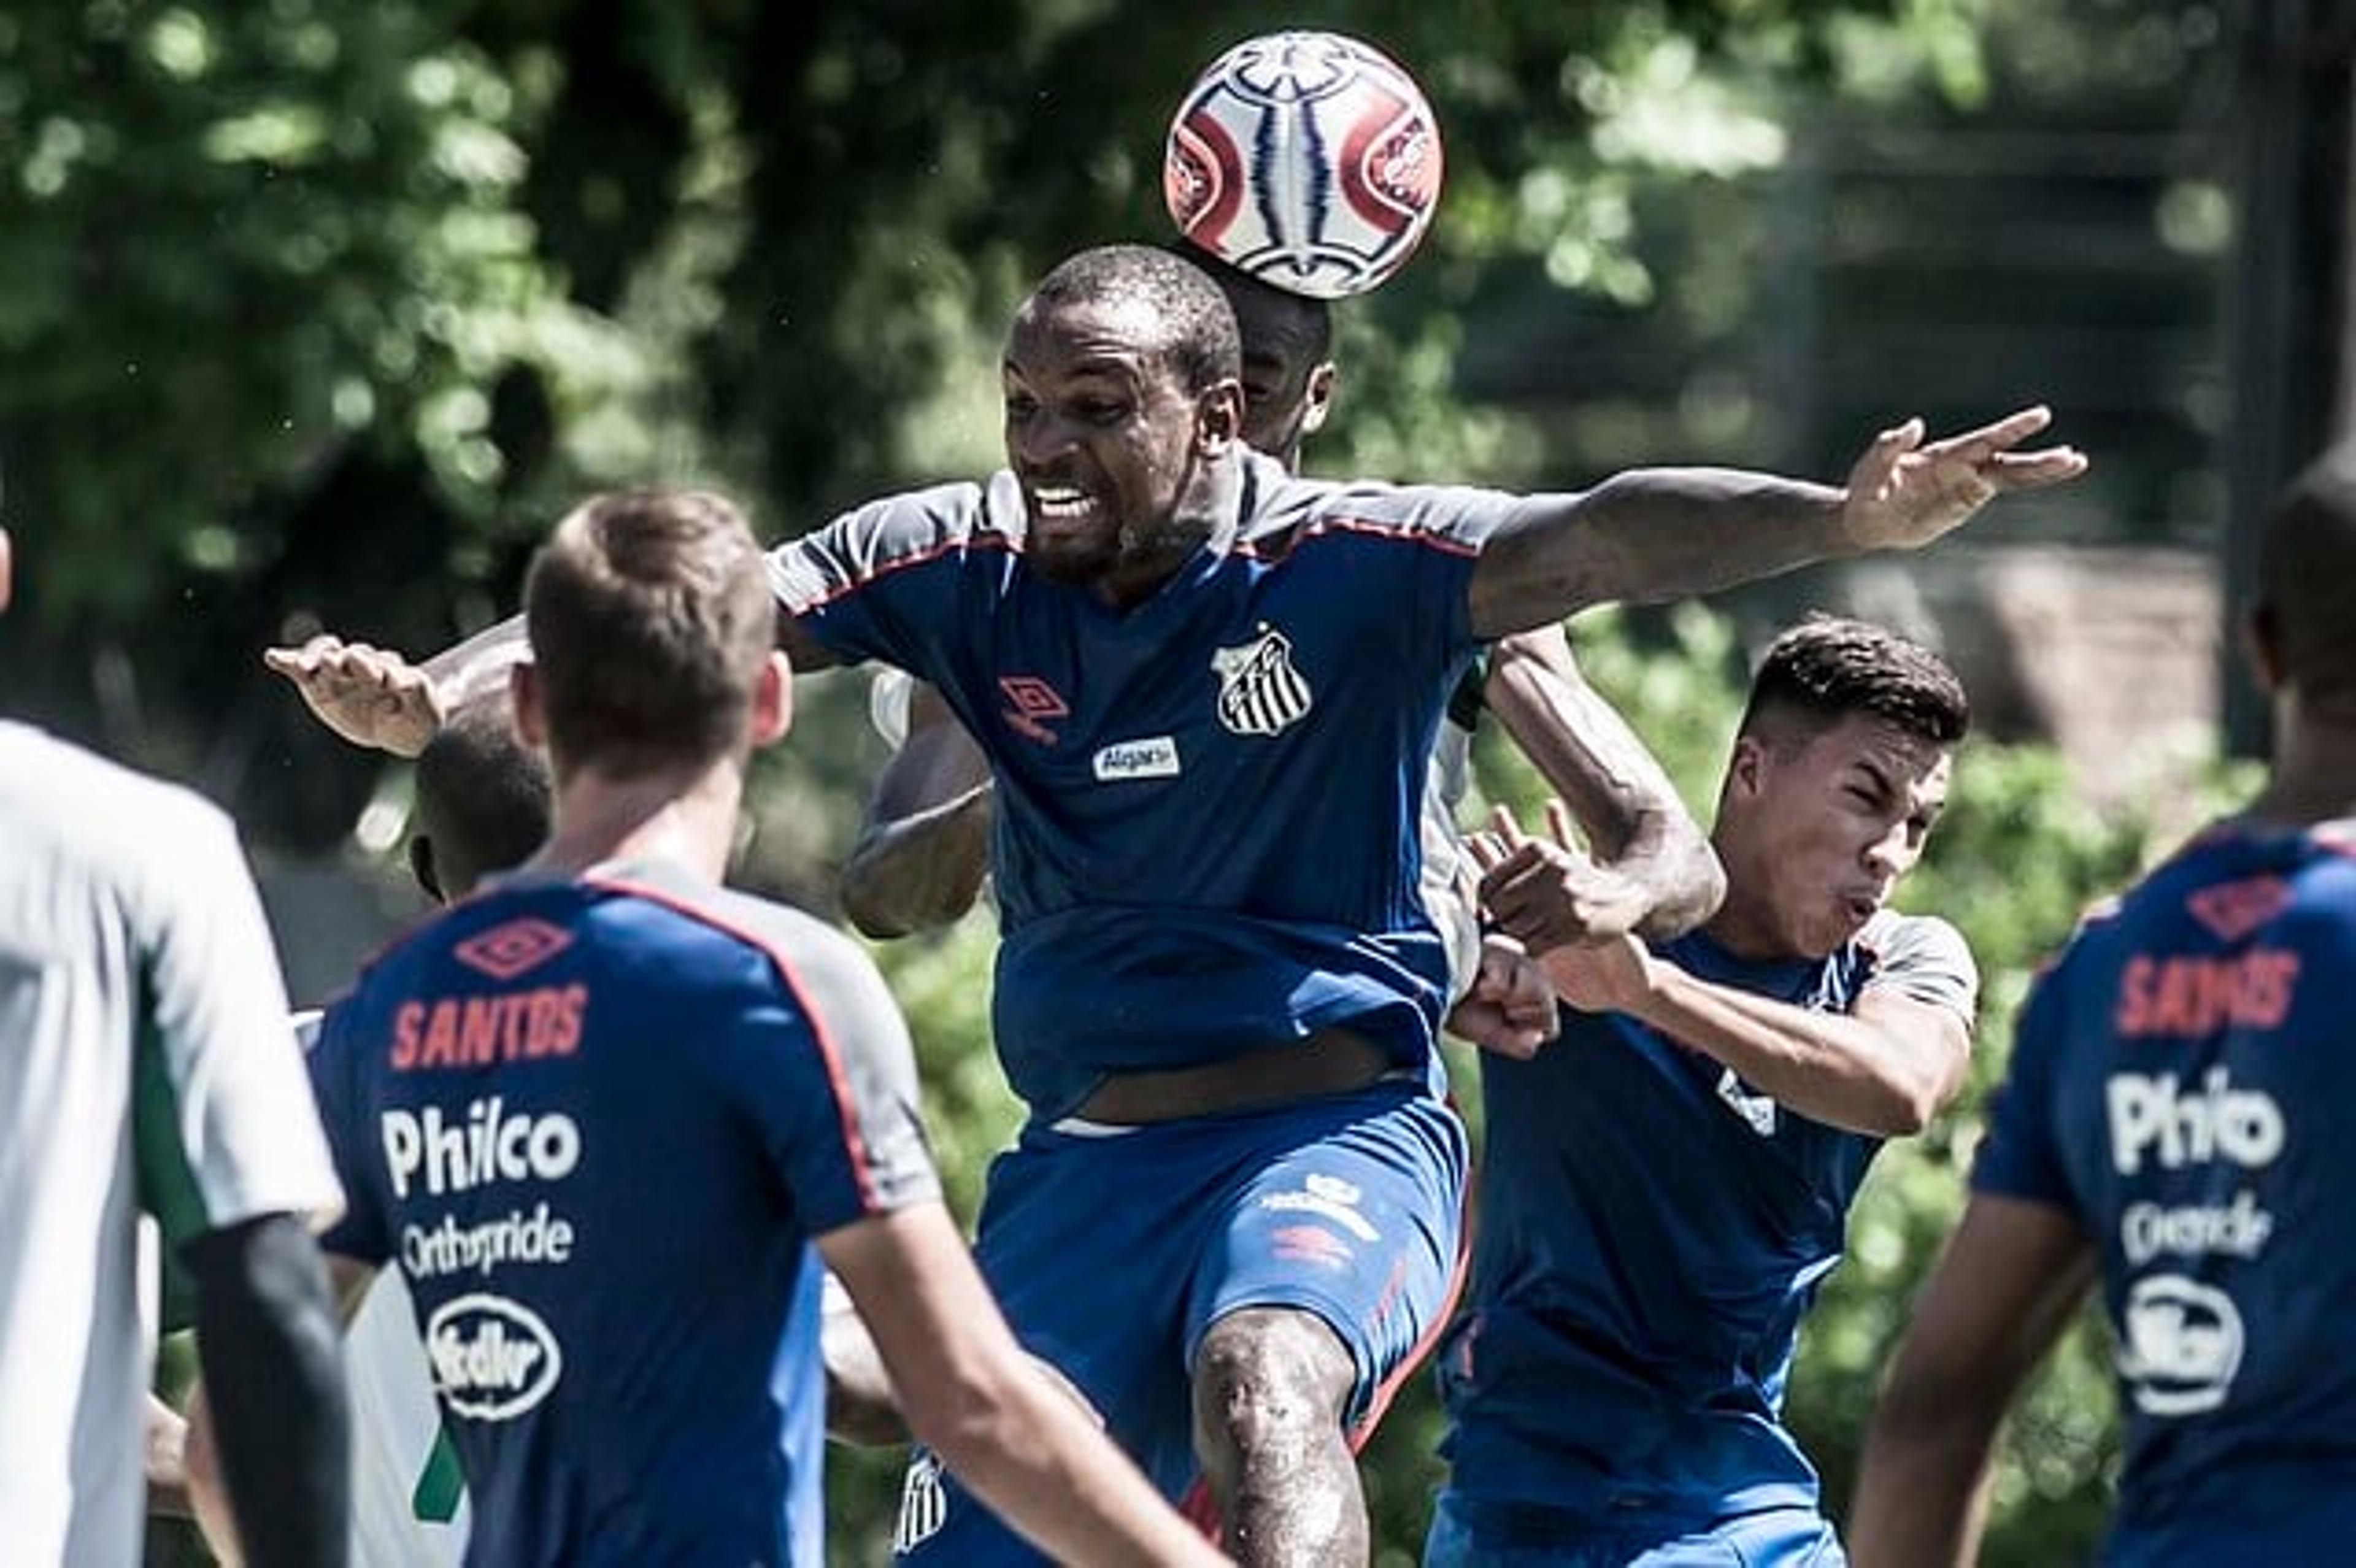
[2232, 910]
[1034, 704]
[506, 951]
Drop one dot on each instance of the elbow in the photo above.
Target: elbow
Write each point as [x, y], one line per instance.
[1904, 1116]
[1907, 1109]
[869, 912]
[876, 901]
[1694, 889]
[968, 1420]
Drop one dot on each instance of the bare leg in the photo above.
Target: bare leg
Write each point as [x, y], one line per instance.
[1271, 1387]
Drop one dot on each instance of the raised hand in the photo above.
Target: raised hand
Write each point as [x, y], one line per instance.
[369, 696]
[1544, 893]
[1905, 492]
[1541, 890]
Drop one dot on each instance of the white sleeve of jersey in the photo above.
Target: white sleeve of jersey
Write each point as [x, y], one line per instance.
[224, 1103]
[1926, 959]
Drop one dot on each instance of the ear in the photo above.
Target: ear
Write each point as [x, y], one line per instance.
[1746, 770]
[420, 866]
[523, 692]
[1317, 399]
[2261, 645]
[1219, 417]
[773, 702]
[6, 564]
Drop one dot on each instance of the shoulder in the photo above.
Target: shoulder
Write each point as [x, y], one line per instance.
[1923, 955]
[145, 838]
[1891, 934]
[829, 973]
[895, 532]
[1288, 510]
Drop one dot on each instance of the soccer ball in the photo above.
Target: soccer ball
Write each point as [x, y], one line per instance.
[1309, 160]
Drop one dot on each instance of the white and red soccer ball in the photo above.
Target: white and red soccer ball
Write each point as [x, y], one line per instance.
[1309, 160]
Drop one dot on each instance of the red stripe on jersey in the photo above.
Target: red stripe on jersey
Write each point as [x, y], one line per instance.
[987, 540]
[1343, 524]
[854, 1143]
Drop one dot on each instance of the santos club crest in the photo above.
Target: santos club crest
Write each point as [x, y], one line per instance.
[1261, 692]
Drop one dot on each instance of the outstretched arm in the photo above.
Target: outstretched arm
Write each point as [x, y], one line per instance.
[1660, 533]
[923, 849]
[972, 1395]
[373, 697]
[2010, 1277]
[1656, 873]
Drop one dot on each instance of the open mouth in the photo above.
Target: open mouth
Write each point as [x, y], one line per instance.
[1061, 505]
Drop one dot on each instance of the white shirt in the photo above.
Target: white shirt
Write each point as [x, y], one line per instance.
[145, 1064]
[396, 1424]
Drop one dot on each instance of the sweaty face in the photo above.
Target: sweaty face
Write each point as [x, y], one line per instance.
[1817, 830]
[1102, 433]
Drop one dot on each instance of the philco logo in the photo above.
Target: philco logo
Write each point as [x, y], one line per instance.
[1153, 758]
[1261, 692]
[493, 1358]
[2178, 1123]
[488, 1145]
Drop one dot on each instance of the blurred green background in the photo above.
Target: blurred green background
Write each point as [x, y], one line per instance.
[315, 312]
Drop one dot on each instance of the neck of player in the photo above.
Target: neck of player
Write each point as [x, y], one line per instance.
[685, 819]
[2314, 775]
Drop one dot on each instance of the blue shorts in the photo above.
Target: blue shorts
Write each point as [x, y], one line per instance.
[1113, 1253]
[1466, 1534]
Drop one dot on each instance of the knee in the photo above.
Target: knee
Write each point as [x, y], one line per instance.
[1268, 1381]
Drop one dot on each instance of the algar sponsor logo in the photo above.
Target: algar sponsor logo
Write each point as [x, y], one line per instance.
[485, 1144]
[493, 1358]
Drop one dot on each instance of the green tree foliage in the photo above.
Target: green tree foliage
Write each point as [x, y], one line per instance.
[315, 311]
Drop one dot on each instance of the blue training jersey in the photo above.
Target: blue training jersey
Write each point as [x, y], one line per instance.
[1651, 1232]
[1208, 804]
[595, 1123]
[2183, 1085]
